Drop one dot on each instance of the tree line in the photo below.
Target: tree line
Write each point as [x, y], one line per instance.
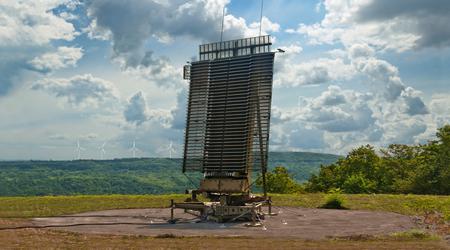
[416, 169]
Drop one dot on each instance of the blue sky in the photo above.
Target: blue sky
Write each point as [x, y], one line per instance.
[107, 73]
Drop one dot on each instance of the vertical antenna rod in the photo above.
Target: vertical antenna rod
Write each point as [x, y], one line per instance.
[223, 19]
[260, 17]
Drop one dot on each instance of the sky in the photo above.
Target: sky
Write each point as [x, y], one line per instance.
[91, 78]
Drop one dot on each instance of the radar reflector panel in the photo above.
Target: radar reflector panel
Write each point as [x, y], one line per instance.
[227, 127]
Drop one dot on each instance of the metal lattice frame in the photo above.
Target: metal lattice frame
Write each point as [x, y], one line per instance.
[227, 129]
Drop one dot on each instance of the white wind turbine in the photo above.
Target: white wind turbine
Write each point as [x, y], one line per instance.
[134, 148]
[171, 149]
[102, 151]
[79, 149]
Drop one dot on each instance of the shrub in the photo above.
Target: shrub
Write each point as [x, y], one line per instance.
[334, 200]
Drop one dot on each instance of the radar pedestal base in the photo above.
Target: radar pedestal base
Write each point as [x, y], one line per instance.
[222, 211]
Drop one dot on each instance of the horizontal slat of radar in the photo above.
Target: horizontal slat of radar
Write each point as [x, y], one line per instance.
[225, 137]
[262, 75]
[226, 141]
[196, 116]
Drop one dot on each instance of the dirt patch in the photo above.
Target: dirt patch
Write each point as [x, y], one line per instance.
[300, 223]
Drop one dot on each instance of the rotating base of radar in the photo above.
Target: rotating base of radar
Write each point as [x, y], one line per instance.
[226, 208]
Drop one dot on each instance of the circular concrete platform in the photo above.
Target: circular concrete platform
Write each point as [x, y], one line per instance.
[301, 223]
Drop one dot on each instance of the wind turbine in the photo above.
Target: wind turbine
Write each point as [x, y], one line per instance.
[79, 149]
[171, 149]
[102, 151]
[133, 148]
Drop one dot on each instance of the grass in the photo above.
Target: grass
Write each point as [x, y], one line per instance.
[414, 234]
[26, 207]
[21, 208]
[402, 204]
[49, 239]
[35, 206]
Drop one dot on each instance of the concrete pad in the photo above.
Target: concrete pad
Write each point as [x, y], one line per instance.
[304, 223]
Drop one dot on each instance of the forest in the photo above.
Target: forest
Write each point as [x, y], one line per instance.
[415, 169]
[127, 176]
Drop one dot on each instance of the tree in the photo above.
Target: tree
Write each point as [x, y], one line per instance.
[433, 172]
[359, 172]
[443, 159]
[419, 169]
[400, 163]
[280, 181]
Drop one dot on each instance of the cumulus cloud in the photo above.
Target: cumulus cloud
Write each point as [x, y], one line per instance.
[413, 102]
[158, 70]
[439, 109]
[411, 17]
[80, 90]
[63, 57]
[179, 113]
[340, 119]
[288, 73]
[136, 110]
[405, 130]
[27, 29]
[132, 23]
[440, 104]
[386, 79]
[337, 110]
[140, 20]
[236, 27]
[348, 118]
[397, 25]
[33, 23]
[332, 97]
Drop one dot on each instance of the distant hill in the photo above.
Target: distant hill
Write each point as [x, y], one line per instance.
[126, 176]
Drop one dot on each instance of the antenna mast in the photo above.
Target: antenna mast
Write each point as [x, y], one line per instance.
[223, 19]
[260, 17]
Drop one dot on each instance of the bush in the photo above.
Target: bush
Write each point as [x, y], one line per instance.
[334, 200]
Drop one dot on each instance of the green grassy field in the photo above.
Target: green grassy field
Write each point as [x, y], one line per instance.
[25, 207]
[15, 211]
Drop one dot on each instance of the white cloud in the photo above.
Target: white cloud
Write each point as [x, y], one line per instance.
[24, 23]
[80, 90]
[266, 28]
[440, 104]
[158, 70]
[337, 110]
[396, 25]
[386, 79]
[348, 118]
[137, 112]
[131, 24]
[413, 102]
[288, 73]
[63, 57]
[404, 130]
[27, 29]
